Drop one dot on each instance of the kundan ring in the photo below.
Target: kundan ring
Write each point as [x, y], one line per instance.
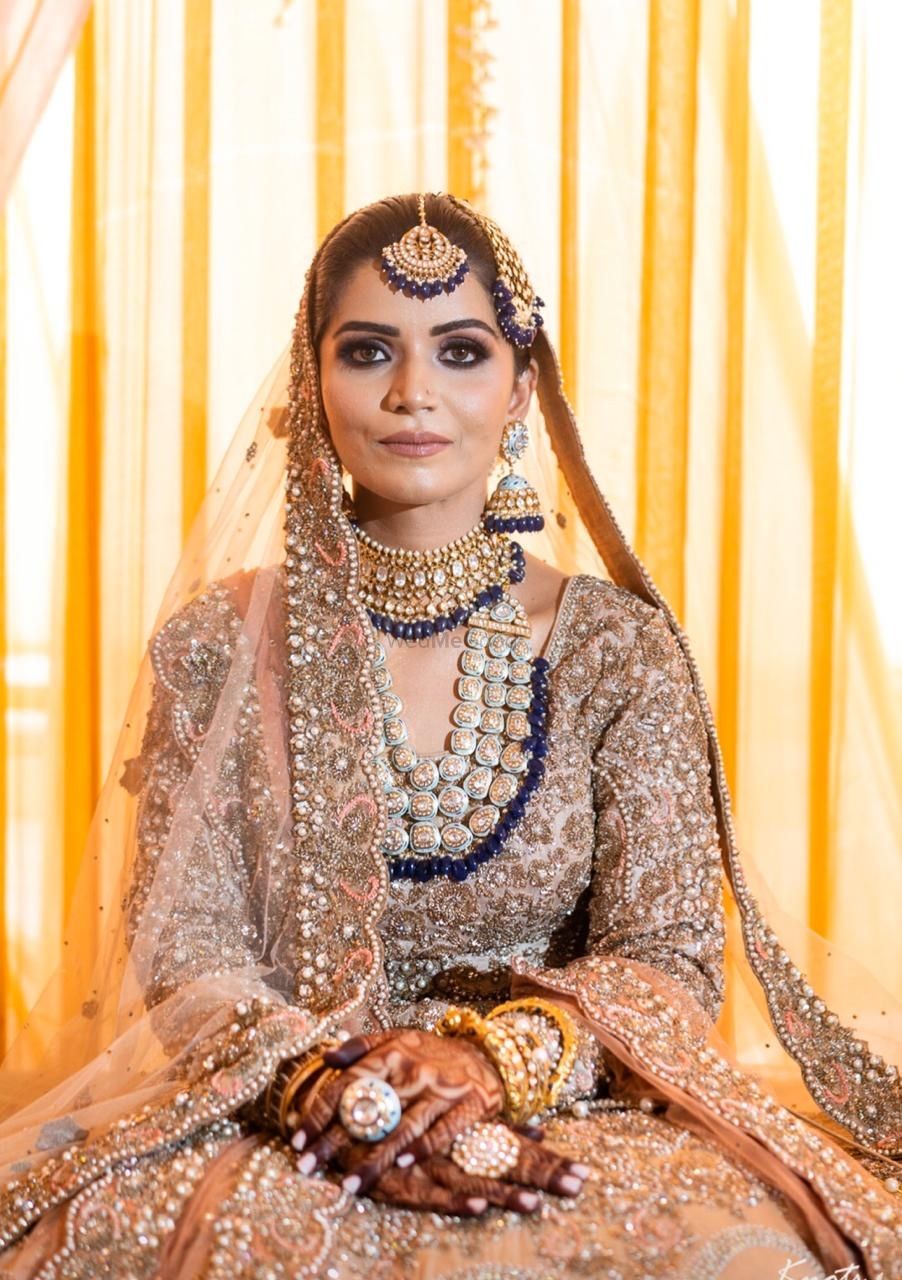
[369, 1109]
[486, 1150]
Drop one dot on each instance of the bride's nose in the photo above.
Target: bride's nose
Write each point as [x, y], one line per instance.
[410, 387]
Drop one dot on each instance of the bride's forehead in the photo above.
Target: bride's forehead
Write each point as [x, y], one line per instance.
[366, 295]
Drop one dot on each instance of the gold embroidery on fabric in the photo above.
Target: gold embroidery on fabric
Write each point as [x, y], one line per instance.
[627, 1013]
[333, 710]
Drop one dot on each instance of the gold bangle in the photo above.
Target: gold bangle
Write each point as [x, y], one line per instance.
[500, 1047]
[308, 1069]
[564, 1023]
[272, 1106]
[264, 1107]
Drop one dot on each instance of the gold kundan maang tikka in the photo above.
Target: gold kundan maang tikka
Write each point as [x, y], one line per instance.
[448, 815]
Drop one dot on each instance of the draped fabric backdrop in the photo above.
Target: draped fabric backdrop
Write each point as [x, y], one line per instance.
[705, 194]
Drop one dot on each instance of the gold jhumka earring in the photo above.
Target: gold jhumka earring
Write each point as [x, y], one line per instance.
[514, 504]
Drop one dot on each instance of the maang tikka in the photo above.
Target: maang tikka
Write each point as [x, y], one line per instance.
[513, 506]
[424, 260]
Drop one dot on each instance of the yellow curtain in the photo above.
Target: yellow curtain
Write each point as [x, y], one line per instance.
[705, 194]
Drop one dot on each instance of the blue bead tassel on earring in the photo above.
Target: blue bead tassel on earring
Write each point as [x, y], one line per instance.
[514, 504]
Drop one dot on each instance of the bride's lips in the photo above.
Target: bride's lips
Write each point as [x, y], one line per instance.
[415, 444]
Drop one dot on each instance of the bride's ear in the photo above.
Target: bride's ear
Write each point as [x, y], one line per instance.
[524, 386]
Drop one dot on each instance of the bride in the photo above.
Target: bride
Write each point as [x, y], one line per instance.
[400, 939]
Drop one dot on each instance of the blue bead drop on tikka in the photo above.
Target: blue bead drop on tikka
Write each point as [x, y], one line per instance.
[424, 288]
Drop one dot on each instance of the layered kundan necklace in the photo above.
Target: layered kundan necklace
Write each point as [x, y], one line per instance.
[452, 812]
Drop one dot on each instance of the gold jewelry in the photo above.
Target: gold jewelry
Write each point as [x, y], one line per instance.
[516, 302]
[524, 1091]
[410, 588]
[566, 1029]
[424, 260]
[270, 1109]
[513, 506]
[486, 1150]
[306, 1072]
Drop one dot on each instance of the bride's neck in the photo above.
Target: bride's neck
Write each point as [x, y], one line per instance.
[429, 524]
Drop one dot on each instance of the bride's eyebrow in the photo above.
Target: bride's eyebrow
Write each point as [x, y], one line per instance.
[389, 331]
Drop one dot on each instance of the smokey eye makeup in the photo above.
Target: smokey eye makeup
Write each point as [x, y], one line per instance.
[462, 353]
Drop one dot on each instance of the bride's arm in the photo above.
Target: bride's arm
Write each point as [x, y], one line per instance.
[655, 894]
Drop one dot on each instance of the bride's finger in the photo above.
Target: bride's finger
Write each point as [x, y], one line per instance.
[354, 1048]
[437, 1139]
[506, 1195]
[542, 1167]
[413, 1189]
[317, 1109]
[366, 1162]
[327, 1146]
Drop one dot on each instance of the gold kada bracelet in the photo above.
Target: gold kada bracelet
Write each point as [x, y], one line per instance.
[513, 1055]
[561, 1021]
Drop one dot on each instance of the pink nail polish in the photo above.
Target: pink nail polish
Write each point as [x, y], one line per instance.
[351, 1183]
[580, 1170]
[307, 1163]
[405, 1160]
[299, 1140]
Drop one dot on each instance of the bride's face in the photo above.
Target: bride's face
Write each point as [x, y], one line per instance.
[392, 364]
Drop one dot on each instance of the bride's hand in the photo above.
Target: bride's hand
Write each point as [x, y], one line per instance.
[445, 1086]
[438, 1184]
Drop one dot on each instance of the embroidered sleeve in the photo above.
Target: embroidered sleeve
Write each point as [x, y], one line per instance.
[656, 888]
[201, 901]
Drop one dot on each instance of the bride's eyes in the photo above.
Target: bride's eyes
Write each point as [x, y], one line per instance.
[465, 351]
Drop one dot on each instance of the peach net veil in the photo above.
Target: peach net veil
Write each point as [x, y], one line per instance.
[226, 911]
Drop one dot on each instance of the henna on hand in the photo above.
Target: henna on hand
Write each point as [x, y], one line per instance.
[539, 1168]
[414, 1189]
[444, 1085]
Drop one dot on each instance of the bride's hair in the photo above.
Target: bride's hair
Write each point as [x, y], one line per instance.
[363, 237]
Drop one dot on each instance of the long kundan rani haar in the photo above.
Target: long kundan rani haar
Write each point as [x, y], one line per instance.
[451, 813]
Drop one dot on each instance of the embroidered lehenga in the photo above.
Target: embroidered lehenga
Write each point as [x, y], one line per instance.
[253, 913]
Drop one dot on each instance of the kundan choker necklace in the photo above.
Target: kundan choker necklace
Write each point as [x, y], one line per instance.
[411, 594]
